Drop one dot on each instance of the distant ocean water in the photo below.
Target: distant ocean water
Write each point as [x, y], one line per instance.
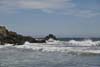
[66, 52]
[79, 39]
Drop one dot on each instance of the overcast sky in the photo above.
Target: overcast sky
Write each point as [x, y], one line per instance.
[60, 17]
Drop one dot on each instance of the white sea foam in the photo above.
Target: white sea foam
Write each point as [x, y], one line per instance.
[84, 43]
[49, 48]
[6, 45]
[87, 46]
[68, 46]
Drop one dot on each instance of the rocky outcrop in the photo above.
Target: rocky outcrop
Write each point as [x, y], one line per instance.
[11, 37]
[50, 36]
[3, 31]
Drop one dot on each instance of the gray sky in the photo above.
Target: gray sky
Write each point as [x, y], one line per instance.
[60, 17]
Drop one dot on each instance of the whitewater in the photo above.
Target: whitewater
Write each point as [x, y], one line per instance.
[58, 53]
[86, 46]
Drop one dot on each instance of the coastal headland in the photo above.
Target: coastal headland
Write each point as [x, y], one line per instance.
[11, 37]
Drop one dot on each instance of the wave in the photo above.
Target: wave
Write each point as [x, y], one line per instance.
[65, 46]
[72, 46]
[84, 43]
[76, 43]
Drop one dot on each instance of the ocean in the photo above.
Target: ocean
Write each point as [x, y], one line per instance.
[61, 53]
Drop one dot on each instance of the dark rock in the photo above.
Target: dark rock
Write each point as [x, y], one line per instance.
[11, 37]
[11, 33]
[3, 31]
[50, 36]
[40, 41]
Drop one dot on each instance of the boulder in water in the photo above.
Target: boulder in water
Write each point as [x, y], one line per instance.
[50, 36]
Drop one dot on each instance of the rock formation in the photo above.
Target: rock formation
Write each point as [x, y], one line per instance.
[3, 31]
[11, 37]
[50, 36]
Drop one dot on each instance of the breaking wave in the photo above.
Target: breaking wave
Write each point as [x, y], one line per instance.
[72, 46]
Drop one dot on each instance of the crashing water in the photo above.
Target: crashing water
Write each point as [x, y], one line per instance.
[51, 54]
[86, 46]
